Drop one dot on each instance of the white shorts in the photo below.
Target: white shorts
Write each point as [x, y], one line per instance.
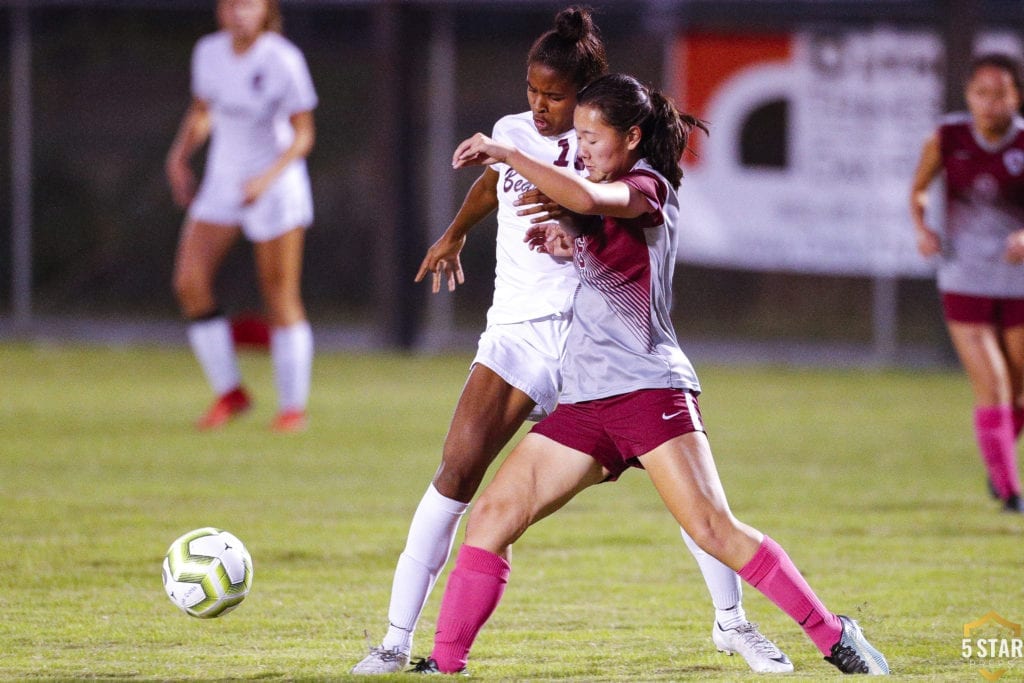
[287, 204]
[528, 355]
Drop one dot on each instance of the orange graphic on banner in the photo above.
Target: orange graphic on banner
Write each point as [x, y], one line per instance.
[704, 61]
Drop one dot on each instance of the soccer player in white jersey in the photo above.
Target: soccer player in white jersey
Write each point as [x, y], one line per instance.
[980, 155]
[516, 371]
[253, 99]
[629, 396]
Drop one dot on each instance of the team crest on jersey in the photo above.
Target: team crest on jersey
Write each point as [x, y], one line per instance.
[1013, 159]
[257, 81]
[985, 187]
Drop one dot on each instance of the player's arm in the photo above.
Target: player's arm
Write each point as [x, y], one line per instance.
[193, 132]
[442, 259]
[302, 144]
[929, 166]
[561, 185]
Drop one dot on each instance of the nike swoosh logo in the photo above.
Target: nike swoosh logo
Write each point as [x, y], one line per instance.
[666, 416]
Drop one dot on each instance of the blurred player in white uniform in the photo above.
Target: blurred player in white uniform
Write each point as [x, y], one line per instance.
[516, 372]
[253, 98]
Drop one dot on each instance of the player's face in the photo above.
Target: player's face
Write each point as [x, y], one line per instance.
[552, 99]
[606, 152]
[243, 19]
[992, 100]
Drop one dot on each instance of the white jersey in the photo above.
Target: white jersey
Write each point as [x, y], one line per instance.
[251, 97]
[527, 285]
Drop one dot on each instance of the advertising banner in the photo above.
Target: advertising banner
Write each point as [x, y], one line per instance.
[814, 140]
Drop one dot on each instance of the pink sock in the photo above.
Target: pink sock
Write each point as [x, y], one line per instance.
[1018, 421]
[772, 572]
[993, 427]
[473, 592]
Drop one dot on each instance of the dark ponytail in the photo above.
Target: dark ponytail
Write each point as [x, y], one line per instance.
[572, 48]
[625, 102]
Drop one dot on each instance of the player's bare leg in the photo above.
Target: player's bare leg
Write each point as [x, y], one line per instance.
[488, 414]
[201, 251]
[981, 352]
[684, 474]
[279, 268]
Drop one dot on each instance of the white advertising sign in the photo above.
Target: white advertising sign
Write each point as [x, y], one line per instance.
[852, 110]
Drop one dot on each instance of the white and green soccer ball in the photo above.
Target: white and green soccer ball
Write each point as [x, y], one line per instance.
[207, 572]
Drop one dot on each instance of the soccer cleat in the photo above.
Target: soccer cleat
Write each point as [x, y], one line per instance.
[745, 640]
[381, 661]
[853, 654]
[228, 406]
[1013, 504]
[429, 666]
[288, 421]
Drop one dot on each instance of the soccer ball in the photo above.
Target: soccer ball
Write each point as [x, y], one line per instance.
[207, 572]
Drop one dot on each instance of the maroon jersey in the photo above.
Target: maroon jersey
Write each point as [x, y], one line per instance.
[984, 204]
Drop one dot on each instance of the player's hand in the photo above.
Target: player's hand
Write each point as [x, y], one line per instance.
[550, 238]
[479, 150]
[539, 206]
[928, 242]
[254, 188]
[1015, 247]
[442, 261]
[182, 181]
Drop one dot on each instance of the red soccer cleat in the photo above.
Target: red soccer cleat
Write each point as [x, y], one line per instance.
[288, 421]
[228, 406]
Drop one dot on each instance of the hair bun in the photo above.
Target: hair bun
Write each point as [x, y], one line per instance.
[573, 23]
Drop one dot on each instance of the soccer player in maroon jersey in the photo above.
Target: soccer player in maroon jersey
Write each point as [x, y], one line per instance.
[980, 253]
[629, 396]
[516, 372]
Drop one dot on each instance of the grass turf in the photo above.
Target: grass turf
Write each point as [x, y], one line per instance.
[869, 479]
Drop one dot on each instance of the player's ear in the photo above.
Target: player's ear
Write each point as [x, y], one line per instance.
[633, 136]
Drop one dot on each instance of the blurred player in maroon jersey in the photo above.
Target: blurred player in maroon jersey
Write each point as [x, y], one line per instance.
[980, 255]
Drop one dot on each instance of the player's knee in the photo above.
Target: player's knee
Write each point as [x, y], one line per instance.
[190, 292]
[499, 518]
[459, 480]
[712, 533]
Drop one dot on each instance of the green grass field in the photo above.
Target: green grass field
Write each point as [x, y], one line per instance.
[869, 479]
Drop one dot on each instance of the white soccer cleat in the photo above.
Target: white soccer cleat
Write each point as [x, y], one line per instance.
[853, 654]
[381, 661]
[761, 654]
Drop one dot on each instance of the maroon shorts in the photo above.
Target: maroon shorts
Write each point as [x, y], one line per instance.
[965, 308]
[618, 429]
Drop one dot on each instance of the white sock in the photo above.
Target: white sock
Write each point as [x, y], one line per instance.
[215, 350]
[431, 536]
[723, 584]
[291, 350]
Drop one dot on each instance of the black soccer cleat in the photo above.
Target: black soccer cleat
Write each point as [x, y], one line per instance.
[427, 665]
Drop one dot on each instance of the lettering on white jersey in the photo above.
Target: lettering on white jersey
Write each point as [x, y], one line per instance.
[515, 183]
